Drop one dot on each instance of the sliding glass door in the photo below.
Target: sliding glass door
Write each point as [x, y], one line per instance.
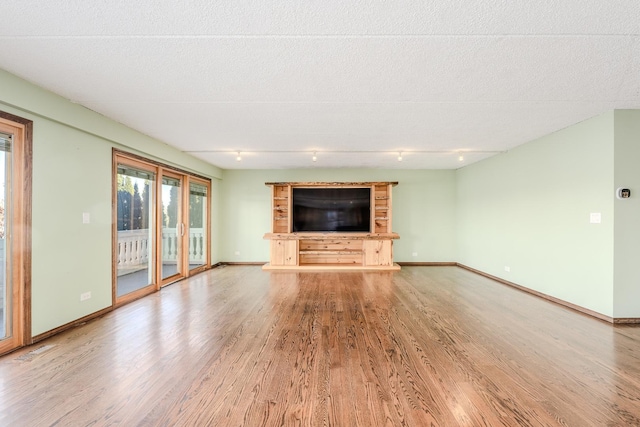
[198, 224]
[6, 288]
[173, 228]
[161, 226]
[135, 223]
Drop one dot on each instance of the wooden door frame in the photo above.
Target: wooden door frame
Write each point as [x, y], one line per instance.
[182, 271]
[22, 172]
[152, 287]
[207, 224]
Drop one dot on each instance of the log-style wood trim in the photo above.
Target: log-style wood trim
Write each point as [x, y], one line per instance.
[330, 236]
[78, 322]
[389, 210]
[543, 295]
[332, 184]
[289, 209]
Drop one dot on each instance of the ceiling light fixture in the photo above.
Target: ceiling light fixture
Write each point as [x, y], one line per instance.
[461, 158]
[314, 158]
[238, 157]
[399, 156]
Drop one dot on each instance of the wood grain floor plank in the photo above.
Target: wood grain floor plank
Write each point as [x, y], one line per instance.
[237, 346]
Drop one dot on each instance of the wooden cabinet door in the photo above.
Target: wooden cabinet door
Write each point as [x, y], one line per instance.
[378, 252]
[284, 252]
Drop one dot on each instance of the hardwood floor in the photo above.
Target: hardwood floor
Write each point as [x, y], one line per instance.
[237, 346]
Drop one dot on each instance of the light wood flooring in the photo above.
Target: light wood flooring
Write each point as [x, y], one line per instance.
[237, 346]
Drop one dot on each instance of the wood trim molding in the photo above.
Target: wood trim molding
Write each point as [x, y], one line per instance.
[23, 234]
[626, 320]
[156, 163]
[222, 264]
[550, 298]
[73, 324]
[427, 264]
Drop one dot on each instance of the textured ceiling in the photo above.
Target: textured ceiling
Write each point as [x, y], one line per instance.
[356, 81]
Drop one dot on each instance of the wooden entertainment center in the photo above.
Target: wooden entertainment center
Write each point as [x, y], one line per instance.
[332, 250]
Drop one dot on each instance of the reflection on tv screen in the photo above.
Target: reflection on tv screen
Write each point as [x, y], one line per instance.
[332, 209]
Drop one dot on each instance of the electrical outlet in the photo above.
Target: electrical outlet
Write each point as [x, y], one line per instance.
[414, 254]
[86, 217]
[507, 269]
[85, 296]
[237, 252]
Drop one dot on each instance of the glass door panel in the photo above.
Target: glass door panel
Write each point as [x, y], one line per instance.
[135, 209]
[172, 227]
[6, 294]
[198, 230]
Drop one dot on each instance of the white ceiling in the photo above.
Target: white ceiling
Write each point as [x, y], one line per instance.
[356, 81]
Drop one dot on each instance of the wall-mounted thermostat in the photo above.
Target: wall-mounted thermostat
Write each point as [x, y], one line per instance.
[623, 193]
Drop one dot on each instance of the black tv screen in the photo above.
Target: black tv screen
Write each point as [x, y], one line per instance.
[332, 209]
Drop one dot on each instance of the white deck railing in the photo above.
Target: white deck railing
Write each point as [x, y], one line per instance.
[133, 247]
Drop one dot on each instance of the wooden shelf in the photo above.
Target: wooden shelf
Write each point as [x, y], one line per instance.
[331, 250]
[330, 267]
[331, 184]
[331, 236]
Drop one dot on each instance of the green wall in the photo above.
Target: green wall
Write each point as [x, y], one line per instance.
[529, 210]
[423, 210]
[627, 214]
[72, 149]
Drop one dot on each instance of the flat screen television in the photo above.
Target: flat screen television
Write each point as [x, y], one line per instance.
[331, 209]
